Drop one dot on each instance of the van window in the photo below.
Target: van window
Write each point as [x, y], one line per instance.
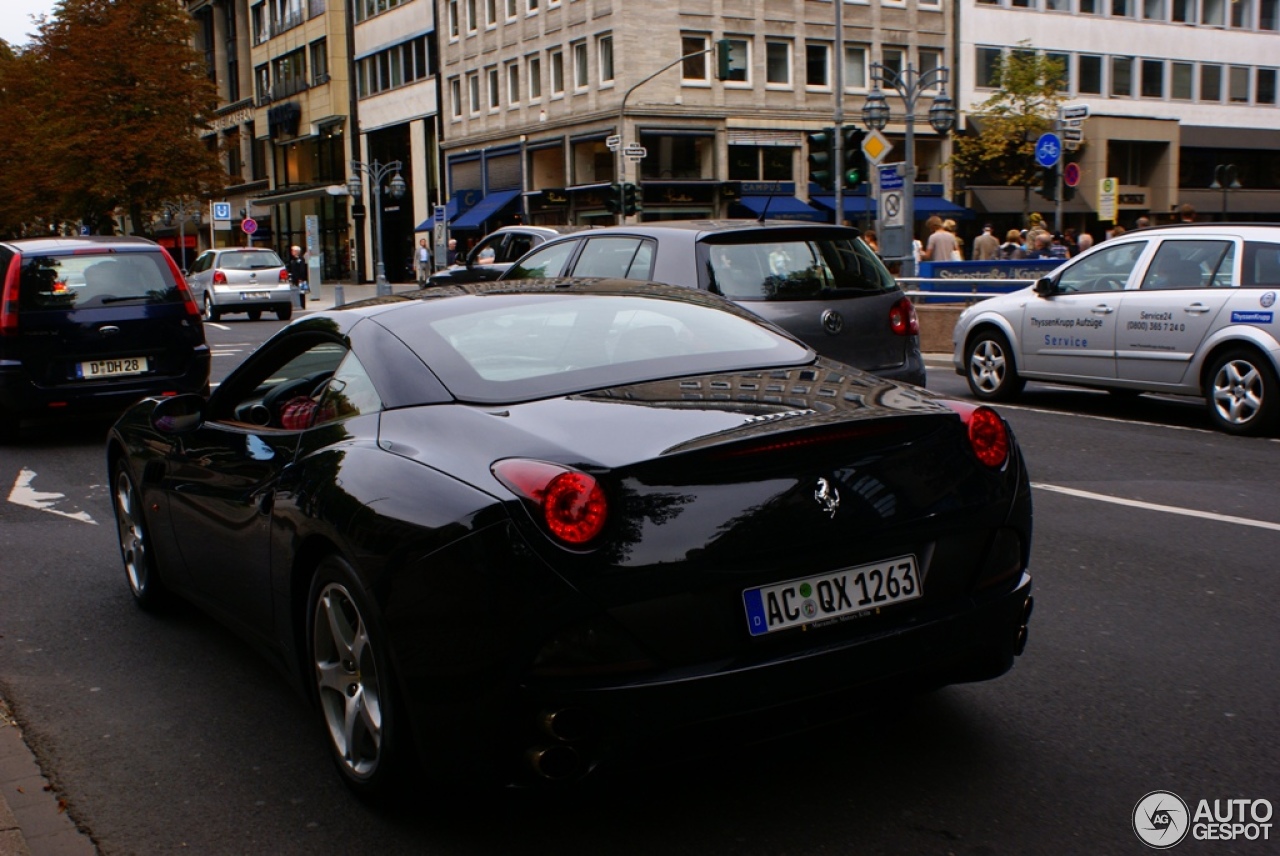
[79, 281]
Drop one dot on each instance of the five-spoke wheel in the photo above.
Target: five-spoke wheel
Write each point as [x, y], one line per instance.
[1242, 393]
[991, 372]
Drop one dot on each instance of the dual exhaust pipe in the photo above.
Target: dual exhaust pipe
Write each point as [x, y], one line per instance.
[560, 760]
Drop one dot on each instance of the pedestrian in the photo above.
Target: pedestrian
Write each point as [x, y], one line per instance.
[941, 244]
[1187, 213]
[452, 255]
[297, 270]
[1084, 242]
[869, 238]
[1069, 238]
[1142, 223]
[1058, 247]
[1012, 246]
[957, 255]
[423, 260]
[986, 246]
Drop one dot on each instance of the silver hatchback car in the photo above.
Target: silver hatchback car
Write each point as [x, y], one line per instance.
[241, 279]
[819, 283]
[1186, 310]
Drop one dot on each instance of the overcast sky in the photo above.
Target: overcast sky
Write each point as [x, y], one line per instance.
[15, 18]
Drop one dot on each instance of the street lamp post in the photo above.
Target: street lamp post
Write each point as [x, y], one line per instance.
[395, 189]
[1225, 178]
[182, 209]
[909, 84]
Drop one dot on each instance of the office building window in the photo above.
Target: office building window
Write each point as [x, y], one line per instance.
[473, 93]
[986, 61]
[777, 64]
[1266, 92]
[535, 78]
[604, 55]
[581, 71]
[695, 67]
[1121, 77]
[513, 83]
[1181, 81]
[855, 67]
[1090, 74]
[1153, 78]
[1210, 83]
[817, 65]
[495, 93]
[1239, 84]
[455, 97]
[557, 73]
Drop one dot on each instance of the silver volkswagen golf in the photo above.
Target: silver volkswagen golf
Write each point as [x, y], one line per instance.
[1187, 310]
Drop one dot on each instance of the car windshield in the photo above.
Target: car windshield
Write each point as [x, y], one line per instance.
[506, 348]
[794, 269]
[257, 260]
[80, 281]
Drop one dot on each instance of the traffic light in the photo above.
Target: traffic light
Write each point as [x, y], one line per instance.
[724, 59]
[822, 158]
[1047, 179]
[630, 199]
[613, 199]
[1068, 193]
[855, 159]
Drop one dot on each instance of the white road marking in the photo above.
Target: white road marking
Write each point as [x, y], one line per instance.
[22, 494]
[1151, 506]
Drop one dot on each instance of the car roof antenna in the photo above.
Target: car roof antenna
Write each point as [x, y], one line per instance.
[765, 211]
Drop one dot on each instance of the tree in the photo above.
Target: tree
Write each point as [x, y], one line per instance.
[119, 101]
[1029, 89]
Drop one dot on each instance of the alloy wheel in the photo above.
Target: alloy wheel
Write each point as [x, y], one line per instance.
[346, 675]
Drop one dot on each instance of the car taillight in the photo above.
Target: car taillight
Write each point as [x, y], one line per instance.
[988, 433]
[219, 278]
[284, 275]
[903, 319]
[9, 297]
[188, 302]
[571, 503]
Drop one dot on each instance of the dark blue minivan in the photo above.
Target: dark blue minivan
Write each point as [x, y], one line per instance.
[93, 323]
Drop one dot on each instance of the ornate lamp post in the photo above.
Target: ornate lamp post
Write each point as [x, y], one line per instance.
[182, 209]
[1225, 178]
[395, 189]
[909, 84]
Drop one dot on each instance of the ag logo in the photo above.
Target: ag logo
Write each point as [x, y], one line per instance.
[1161, 819]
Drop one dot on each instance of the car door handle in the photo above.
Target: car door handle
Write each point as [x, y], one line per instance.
[109, 330]
[1196, 309]
[1102, 309]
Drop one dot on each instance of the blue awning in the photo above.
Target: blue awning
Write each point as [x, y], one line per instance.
[928, 206]
[856, 206]
[780, 208]
[450, 211]
[474, 217]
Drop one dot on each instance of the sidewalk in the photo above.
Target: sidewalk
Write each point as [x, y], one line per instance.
[324, 297]
[32, 820]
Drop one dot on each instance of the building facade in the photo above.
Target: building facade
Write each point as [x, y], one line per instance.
[1176, 91]
[534, 92]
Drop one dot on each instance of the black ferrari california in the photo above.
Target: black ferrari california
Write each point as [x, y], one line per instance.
[516, 531]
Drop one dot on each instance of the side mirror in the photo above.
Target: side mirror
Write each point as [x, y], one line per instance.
[178, 414]
[1045, 286]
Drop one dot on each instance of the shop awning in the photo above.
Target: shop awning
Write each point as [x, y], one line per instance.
[476, 215]
[450, 211]
[1010, 200]
[856, 206]
[928, 206]
[780, 208]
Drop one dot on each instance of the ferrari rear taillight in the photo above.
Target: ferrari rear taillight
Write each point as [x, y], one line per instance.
[988, 433]
[9, 298]
[903, 319]
[570, 502]
[219, 278]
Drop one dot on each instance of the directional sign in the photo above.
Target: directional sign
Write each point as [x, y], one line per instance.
[1048, 150]
[635, 151]
[249, 226]
[891, 176]
[1073, 134]
[613, 141]
[1075, 111]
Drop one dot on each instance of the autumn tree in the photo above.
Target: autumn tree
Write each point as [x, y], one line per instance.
[119, 101]
[1029, 89]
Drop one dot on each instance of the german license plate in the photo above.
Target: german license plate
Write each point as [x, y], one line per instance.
[112, 368]
[254, 295]
[826, 597]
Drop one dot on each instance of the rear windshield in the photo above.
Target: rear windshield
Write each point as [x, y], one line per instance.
[795, 269]
[520, 347]
[257, 260]
[80, 281]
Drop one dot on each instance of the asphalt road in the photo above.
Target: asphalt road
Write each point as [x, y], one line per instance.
[1152, 665]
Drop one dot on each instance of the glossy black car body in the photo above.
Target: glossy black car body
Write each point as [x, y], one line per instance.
[550, 524]
[820, 283]
[93, 323]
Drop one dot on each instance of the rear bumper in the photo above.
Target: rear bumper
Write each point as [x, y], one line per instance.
[233, 300]
[21, 396]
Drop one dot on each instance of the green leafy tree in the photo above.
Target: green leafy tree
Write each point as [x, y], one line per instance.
[116, 108]
[1029, 90]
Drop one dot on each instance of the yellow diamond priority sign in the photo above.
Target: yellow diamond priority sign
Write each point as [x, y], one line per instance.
[875, 146]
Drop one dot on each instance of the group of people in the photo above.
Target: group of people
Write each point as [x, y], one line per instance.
[422, 259]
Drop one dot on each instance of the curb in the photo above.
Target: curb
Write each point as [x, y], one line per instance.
[33, 819]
